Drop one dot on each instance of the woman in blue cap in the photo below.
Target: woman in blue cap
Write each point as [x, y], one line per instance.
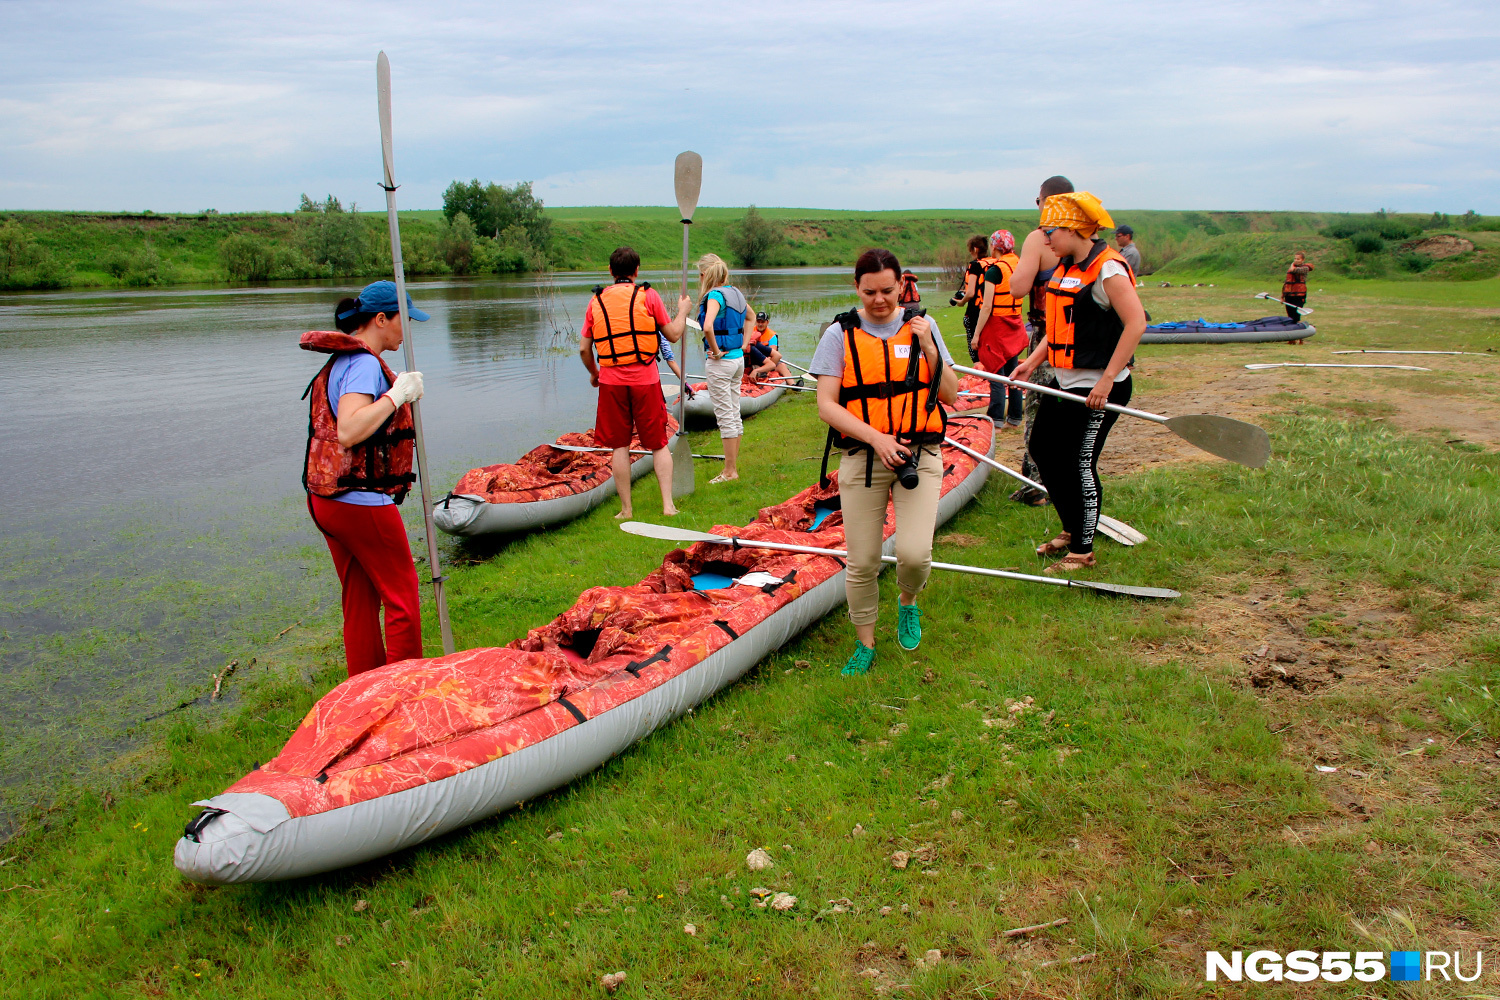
[358, 467]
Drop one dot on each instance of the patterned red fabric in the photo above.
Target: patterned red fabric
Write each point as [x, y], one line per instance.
[971, 383]
[545, 472]
[748, 387]
[423, 720]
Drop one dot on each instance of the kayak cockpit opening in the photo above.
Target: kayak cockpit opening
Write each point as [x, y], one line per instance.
[718, 575]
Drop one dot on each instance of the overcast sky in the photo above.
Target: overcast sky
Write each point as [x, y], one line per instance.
[868, 105]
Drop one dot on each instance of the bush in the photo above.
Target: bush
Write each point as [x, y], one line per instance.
[248, 257]
[1414, 262]
[494, 208]
[1367, 242]
[335, 241]
[456, 244]
[754, 240]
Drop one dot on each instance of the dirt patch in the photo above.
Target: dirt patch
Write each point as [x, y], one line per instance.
[1438, 247]
[804, 233]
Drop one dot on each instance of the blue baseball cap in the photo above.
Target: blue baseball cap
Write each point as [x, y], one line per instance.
[380, 297]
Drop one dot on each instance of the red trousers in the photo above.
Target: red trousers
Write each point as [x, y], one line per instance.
[374, 564]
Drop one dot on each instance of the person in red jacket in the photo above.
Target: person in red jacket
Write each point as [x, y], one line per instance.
[358, 467]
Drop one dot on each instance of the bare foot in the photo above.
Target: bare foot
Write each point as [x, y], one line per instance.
[668, 511]
[624, 515]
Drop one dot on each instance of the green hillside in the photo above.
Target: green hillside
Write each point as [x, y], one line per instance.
[75, 249]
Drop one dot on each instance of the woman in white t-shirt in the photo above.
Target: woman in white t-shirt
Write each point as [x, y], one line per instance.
[1094, 322]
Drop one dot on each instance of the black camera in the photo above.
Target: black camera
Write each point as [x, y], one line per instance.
[906, 472]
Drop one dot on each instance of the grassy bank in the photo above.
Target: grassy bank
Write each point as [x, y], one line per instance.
[62, 249]
[1150, 773]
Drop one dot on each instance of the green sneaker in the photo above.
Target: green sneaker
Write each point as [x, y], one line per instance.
[908, 626]
[860, 662]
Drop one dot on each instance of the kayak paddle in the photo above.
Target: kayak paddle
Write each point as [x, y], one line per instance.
[668, 533]
[1301, 310]
[1474, 354]
[688, 179]
[633, 451]
[1226, 437]
[1118, 530]
[1313, 364]
[383, 95]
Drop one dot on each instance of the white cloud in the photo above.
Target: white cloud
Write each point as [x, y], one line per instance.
[834, 104]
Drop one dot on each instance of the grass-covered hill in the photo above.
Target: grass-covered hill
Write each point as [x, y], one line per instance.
[72, 249]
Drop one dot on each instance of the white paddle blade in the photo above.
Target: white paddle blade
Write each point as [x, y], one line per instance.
[1226, 437]
[1123, 533]
[668, 533]
[383, 93]
[688, 179]
[684, 476]
[1156, 593]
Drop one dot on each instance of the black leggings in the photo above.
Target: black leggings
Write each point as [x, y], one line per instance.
[999, 394]
[1065, 444]
[1291, 302]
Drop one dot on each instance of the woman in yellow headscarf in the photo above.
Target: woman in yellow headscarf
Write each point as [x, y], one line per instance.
[1094, 322]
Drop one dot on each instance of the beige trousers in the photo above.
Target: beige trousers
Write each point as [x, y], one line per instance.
[864, 527]
[724, 378]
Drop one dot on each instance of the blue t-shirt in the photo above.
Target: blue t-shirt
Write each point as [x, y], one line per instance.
[357, 373]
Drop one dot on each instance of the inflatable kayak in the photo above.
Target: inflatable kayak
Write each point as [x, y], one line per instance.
[978, 401]
[754, 397]
[1267, 329]
[544, 486]
[412, 750]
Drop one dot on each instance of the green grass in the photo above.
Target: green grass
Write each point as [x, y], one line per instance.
[79, 246]
[1133, 767]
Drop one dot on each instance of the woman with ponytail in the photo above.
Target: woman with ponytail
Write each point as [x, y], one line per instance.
[358, 467]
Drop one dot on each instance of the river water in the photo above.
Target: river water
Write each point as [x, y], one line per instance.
[155, 525]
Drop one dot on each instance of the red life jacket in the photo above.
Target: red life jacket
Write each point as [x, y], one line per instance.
[381, 463]
[909, 293]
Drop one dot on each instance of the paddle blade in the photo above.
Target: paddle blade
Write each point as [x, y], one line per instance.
[1235, 440]
[1156, 593]
[684, 480]
[383, 93]
[668, 533]
[688, 179]
[1120, 531]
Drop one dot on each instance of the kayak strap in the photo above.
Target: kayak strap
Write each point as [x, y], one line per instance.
[634, 666]
[207, 816]
[725, 626]
[771, 588]
[565, 703]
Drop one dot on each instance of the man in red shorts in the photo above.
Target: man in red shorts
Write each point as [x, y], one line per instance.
[623, 326]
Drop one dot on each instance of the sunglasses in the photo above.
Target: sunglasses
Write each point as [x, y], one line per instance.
[1049, 231]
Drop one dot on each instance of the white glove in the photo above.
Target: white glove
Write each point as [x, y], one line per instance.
[408, 389]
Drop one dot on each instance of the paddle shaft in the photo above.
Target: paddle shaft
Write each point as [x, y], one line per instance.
[1267, 295]
[1003, 574]
[1118, 530]
[383, 95]
[1059, 393]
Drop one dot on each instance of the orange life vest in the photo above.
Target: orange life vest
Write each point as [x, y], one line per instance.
[381, 463]
[883, 388]
[1005, 304]
[909, 293]
[624, 331]
[766, 337]
[1080, 333]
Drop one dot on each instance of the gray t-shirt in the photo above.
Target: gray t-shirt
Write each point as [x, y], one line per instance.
[1132, 256]
[828, 359]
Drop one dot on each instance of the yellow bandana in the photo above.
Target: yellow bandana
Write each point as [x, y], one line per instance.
[1077, 210]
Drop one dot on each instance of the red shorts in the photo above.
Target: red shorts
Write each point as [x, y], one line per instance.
[626, 407]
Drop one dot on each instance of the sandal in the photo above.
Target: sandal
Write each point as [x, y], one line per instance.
[1072, 561]
[721, 478]
[1056, 547]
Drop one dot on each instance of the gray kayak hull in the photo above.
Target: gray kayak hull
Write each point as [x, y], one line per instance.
[700, 410]
[257, 840]
[468, 515]
[1226, 336]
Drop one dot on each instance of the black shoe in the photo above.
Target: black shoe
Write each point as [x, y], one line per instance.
[1030, 496]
